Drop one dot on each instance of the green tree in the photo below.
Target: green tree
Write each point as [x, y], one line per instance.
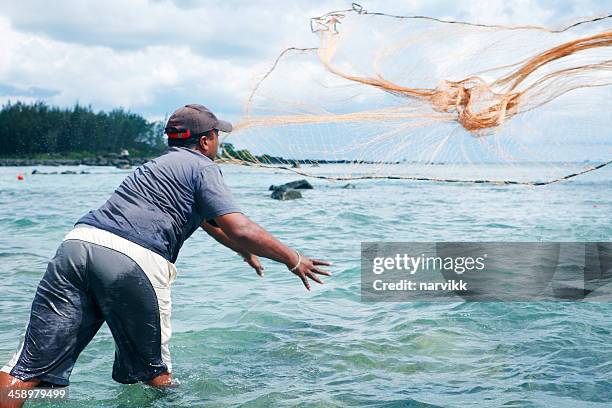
[27, 129]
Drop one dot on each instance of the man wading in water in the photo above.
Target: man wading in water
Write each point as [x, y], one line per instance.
[117, 264]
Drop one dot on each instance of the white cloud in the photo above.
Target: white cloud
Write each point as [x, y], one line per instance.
[151, 57]
[108, 78]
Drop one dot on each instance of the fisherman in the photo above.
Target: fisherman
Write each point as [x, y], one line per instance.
[117, 264]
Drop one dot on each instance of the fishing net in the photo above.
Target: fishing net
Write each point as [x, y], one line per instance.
[418, 98]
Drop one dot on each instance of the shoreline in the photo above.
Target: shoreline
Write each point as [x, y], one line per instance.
[137, 161]
[118, 161]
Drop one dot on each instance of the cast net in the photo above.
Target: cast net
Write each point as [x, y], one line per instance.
[418, 98]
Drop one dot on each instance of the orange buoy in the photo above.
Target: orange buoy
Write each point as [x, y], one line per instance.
[20, 177]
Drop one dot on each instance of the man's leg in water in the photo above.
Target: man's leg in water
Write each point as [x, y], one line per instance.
[131, 308]
[63, 319]
[8, 383]
[163, 380]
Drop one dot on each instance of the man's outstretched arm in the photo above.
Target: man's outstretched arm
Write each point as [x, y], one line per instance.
[250, 237]
[218, 234]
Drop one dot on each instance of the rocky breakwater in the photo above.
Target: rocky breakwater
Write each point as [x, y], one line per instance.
[114, 160]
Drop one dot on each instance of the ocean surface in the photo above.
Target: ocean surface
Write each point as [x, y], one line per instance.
[240, 340]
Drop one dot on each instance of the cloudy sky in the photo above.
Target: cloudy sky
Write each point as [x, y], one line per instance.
[153, 56]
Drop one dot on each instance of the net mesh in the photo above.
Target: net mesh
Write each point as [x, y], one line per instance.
[418, 98]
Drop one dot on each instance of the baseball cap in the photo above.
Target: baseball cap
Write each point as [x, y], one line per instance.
[193, 120]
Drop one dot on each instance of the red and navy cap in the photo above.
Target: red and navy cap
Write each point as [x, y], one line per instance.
[194, 120]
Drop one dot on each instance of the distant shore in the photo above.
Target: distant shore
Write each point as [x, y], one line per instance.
[114, 160]
[125, 161]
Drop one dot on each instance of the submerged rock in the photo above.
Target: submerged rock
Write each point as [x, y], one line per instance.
[285, 194]
[298, 184]
[349, 185]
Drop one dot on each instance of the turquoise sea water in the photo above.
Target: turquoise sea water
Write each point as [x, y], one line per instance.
[241, 340]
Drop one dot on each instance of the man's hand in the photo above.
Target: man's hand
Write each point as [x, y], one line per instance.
[253, 239]
[309, 268]
[253, 260]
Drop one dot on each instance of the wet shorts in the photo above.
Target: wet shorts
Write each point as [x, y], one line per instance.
[98, 277]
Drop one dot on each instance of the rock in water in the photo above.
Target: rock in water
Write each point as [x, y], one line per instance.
[298, 184]
[285, 194]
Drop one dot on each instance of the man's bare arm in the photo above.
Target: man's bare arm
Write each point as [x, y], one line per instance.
[254, 239]
[220, 236]
[251, 237]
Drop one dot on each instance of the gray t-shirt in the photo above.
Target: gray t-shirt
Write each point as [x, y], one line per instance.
[164, 201]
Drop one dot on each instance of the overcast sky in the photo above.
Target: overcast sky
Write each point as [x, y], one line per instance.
[153, 56]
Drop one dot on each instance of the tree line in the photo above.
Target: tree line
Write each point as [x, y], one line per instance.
[37, 128]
